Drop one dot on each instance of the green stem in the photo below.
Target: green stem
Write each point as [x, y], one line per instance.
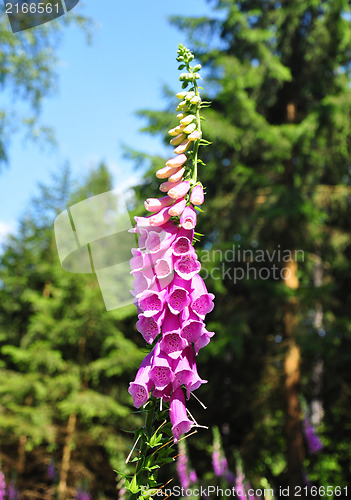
[150, 417]
[198, 127]
[197, 143]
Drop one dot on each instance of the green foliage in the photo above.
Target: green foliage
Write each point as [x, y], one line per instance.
[28, 62]
[62, 353]
[153, 446]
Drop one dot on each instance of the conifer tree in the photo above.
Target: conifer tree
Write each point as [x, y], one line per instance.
[65, 360]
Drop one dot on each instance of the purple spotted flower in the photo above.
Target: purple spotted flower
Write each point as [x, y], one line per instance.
[172, 302]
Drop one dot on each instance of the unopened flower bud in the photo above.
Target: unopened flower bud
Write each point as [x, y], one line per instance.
[177, 208]
[190, 128]
[181, 95]
[176, 130]
[187, 120]
[177, 161]
[179, 191]
[197, 67]
[184, 146]
[180, 115]
[177, 140]
[189, 95]
[197, 195]
[183, 76]
[195, 100]
[166, 186]
[182, 105]
[156, 204]
[177, 176]
[194, 136]
[197, 76]
[165, 172]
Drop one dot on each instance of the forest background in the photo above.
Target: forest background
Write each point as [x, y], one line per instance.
[277, 179]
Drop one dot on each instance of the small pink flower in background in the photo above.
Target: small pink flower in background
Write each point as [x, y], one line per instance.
[313, 442]
[239, 487]
[12, 492]
[2, 486]
[187, 476]
[82, 495]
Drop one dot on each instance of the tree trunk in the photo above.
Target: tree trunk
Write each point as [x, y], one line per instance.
[66, 457]
[317, 410]
[293, 428]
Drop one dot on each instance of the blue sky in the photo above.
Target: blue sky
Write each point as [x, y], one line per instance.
[99, 88]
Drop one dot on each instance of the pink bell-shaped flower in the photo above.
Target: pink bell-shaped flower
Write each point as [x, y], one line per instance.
[140, 388]
[188, 218]
[201, 300]
[179, 419]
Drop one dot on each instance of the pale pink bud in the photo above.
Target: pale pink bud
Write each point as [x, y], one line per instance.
[156, 204]
[166, 186]
[195, 100]
[177, 175]
[197, 195]
[177, 208]
[187, 120]
[182, 147]
[180, 190]
[188, 218]
[194, 136]
[189, 95]
[190, 128]
[176, 130]
[166, 171]
[177, 161]
[160, 218]
[177, 140]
